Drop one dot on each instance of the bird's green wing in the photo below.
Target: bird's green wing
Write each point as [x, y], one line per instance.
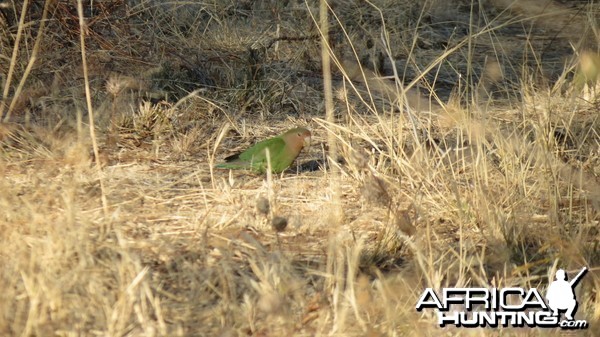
[258, 153]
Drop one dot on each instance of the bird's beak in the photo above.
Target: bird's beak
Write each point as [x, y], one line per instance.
[307, 141]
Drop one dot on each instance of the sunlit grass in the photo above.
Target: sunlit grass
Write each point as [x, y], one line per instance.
[483, 173]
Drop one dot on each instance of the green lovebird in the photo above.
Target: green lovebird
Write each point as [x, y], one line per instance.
[282, 150]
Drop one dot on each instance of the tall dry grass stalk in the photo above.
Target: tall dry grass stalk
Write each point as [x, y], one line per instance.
[90, 109]
[336, 215]
[13, 61]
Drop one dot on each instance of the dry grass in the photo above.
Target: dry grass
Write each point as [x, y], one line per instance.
[482, 170]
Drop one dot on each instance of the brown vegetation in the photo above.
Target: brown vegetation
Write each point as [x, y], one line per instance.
[468, 154]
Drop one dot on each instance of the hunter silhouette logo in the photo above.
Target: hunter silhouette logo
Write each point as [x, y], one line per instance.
[561, 294]
[507, 307]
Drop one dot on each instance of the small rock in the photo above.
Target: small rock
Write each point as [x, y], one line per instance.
[279, 223]
[262, 205]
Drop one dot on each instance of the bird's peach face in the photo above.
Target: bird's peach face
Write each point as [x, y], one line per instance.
[305, 136]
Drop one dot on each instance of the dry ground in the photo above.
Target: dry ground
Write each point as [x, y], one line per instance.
[483, 172]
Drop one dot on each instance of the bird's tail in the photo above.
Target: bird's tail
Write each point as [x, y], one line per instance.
[227, 166]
